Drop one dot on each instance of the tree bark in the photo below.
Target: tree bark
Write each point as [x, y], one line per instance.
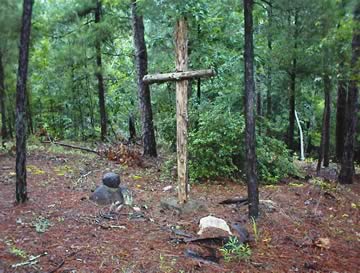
[99, 76]
[181, 44]
[148, 135]
[269, 68]
[2, 101]
[132, 129]
[327, 92]
[340, 116]
[293, 88]
[325, 131]
[347, 165]
[21, 188]
[178, 76]
[253, 191]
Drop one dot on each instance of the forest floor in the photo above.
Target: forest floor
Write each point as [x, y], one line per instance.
[313, 225]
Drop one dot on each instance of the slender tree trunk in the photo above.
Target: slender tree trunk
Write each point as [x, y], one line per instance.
[99, 76]
[29, 113]
[269, 67]
[148, 135]
[132, 129]
[253, 191]
[325, 131]
[340, 116]
[21, 188]
[2, 101]
[347, 165]
[327, 92]
[293, 88]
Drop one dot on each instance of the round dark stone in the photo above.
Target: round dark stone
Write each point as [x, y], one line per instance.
[112, 180]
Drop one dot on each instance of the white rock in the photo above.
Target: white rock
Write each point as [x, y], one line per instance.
[167, 188]
[213, 222]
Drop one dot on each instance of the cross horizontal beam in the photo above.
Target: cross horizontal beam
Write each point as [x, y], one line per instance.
[178, 76]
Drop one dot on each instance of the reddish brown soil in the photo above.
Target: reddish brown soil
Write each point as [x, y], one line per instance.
[80, 240]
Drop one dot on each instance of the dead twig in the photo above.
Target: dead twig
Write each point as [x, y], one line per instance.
[72, 146]
[33, 260]
[57, 267]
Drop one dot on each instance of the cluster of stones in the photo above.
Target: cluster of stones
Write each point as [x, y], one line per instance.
[110, 190]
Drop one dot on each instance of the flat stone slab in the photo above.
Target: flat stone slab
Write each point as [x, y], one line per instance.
[111, 180]
[105, 195]
[171, 203]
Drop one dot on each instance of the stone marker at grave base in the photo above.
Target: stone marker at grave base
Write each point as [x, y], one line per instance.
[110, 191]
[105, 195]
[111, 180]
[172, 203]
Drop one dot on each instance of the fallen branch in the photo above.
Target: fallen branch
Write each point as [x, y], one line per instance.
[72, 146]
[235, 200]
[57, 267]
[31, 261]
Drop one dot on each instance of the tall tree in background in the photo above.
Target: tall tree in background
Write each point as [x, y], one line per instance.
[292, 87]
[99, 75]
[143, 89]
[21, 190]
[252, 183]
[341, 94]
[2, 100]
[347, 164]
[325, 132]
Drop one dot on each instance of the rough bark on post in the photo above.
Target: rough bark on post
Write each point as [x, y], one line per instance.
[251, 176]
[181, 109]
[21, 189]
[347, 164]
[148, 135]
[2, 101]
[99, 76]
[177, 76]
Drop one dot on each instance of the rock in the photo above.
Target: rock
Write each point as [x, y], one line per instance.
[105, 195]
[242, 232]
[111, 180]
[213, 222]
[171, 203]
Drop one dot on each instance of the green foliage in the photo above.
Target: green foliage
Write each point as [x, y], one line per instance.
[41, 224]
[274, 160]
[215, 143]
[234, 250]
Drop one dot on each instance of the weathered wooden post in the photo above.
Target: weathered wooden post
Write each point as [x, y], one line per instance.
[182, 77]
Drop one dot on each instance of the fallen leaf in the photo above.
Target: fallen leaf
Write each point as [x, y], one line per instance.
[322, 243]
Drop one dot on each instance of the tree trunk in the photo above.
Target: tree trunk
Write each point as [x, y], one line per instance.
[347, 165]
[293, 88]
[21, 189]
[148, 135]
[340, 116]
[2, 101]
[99, 76]
[327, 92]
[29, 113]
[325, 131]
[132, 129]
[250, 141]
[269, 67]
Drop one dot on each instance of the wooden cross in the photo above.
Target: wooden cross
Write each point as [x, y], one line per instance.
[182, 77]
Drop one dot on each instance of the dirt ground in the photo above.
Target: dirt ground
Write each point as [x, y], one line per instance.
[312, 226]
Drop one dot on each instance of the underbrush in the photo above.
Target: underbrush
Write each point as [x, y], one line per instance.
[216, 148]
